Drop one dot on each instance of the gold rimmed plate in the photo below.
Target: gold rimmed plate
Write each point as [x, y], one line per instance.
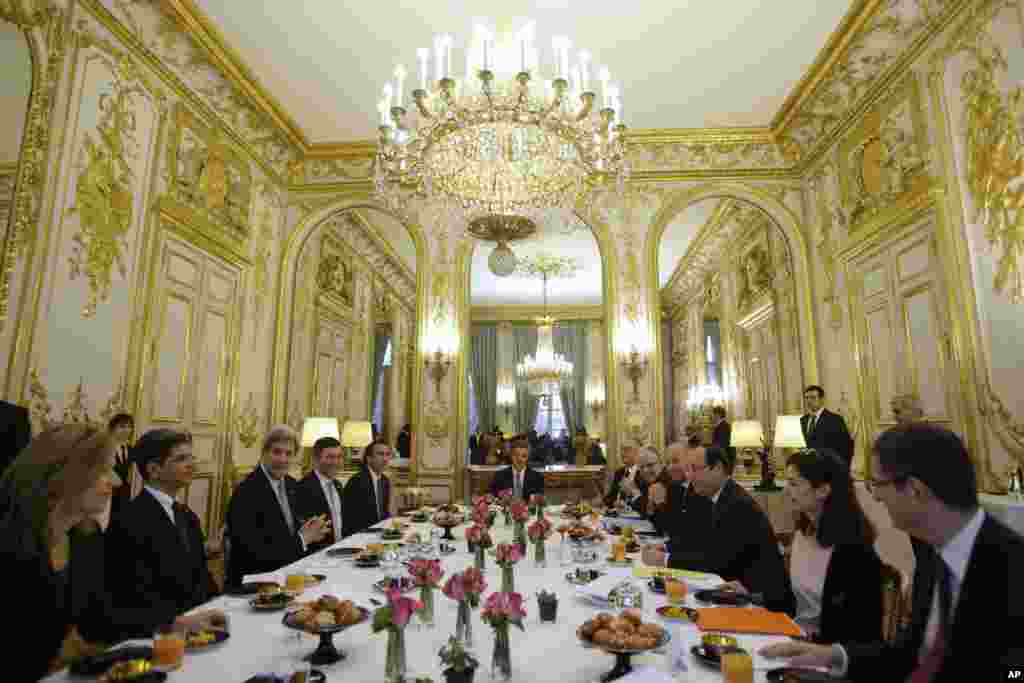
[204, 639]
[677, 613]
[271, 603]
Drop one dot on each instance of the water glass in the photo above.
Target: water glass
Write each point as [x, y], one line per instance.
[168, 647]
[737, 667]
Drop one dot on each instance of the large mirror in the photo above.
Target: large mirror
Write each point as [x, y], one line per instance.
[537, 304]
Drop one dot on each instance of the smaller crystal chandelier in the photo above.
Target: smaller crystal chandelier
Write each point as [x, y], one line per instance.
[545, 371]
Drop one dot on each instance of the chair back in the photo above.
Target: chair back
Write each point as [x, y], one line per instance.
[894, 602]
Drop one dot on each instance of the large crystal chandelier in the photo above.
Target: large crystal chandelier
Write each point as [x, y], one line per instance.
[504, 139]
[545, 371]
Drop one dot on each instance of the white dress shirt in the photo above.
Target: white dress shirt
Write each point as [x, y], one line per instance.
[808, 566]
[333, 502]
[166, 502]
[281, 493]
[374, 477]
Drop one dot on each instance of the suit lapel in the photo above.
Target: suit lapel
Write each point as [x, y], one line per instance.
[269, 489]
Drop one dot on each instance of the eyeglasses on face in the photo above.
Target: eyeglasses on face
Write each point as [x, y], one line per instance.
[874, 485]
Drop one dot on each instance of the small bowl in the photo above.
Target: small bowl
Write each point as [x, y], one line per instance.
[715, 643]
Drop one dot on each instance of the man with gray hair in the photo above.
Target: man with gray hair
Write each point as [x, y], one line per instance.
[264, 530]
[650, 471]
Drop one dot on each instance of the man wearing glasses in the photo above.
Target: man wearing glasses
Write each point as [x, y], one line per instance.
[156, 549]
[967, 611]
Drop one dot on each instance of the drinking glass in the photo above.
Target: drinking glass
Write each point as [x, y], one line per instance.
[675, 591]
[295, 583]
[168, 647]
[737, 667]
[618, 551]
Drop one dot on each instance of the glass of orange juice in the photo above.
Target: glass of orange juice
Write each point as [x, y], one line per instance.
[618, 551]
[295, 583]
[168, 647]
[675, 590]
[737, 667]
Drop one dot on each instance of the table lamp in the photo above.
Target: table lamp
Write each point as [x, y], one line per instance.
[748, 435]
[356, 435]
[788, 434]
[315, 428]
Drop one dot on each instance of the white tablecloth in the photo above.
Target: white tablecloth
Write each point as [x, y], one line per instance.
[259, 642]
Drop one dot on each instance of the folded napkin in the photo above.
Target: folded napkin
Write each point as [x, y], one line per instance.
[694, 580]
[597, 590]
[746, 620]
[266, 577]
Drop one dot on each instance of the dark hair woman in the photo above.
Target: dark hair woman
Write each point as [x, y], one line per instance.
[835, 571]
[54, 501]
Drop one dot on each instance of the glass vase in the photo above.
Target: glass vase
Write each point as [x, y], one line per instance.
[540, 553]
[395, 666]
[427, 611]
[464, 625]
[480, 558]
[520, 537]
[508, 579]
[565, 557]
[501, 662]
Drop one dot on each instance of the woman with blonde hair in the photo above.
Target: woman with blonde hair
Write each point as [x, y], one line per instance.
[54, 501]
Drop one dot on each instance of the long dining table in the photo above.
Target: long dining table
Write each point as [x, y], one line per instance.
[260, 643]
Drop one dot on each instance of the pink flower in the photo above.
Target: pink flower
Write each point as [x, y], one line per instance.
[402, 608]
[426, 572]
[503, 608]
[466, 585]
[504, 496]
[539, 529]
[455, 588]
[474, 582]
[507, 554]
[520, 512]
[477, 534]
[537, 499]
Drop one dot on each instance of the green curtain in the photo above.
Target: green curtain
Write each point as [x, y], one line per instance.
[380, 347]
[571, 340]
[484, 366]
[524, 342]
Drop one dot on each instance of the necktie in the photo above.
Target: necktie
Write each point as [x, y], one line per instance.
[812, 423]
[518, 486]
[380, 498]
[332, 502]
[181, 523]
[931, 660]
[286, 510]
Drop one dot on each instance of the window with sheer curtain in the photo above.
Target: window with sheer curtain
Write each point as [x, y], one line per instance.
[712, 352]
[550, 418]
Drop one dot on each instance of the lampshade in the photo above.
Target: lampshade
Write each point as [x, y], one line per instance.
[788, 433]
[356, 434]
[315, 428]
[747, 434]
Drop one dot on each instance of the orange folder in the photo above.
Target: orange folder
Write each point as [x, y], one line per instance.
[747, 620]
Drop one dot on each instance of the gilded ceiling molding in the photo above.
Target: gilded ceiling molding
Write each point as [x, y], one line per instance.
[350, 229]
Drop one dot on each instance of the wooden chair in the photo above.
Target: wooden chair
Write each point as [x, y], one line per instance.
[894, 602]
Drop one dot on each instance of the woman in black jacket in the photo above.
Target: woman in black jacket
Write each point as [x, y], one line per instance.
[53, 498]
[834, 569]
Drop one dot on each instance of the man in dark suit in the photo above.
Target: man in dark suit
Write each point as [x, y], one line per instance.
[823, 428]
[967, 610]
[367, 497]
[155, 548]
[626, 472]
[721, 435]
[265, 530]
[15, 432]
[121, 427]
[519, 479]
[404, 442]
[319, 493]
[736, 542]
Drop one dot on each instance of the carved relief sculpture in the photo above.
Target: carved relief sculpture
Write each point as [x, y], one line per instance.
[335, 277]
[103, 192]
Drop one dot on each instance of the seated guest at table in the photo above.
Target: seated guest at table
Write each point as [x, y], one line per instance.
[626, 472]
[738, 544]
[264, 528]
[319, 493]
[834, 569]
[51, 500]
[665, 499]
[520, 479]
[967, 610]
[824, 429]
[597, 454]
[367, 497]
[906, 408]
[650, 472]
[121, 427]
[156, 555]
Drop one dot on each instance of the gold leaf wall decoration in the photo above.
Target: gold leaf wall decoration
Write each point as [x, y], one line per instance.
[103, 192]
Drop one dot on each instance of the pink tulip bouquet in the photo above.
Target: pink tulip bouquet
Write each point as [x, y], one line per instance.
[506, 555]
[537, 503]
[427, 575]
[478, 536]
[500, 610]
[465, 588]
[393, 618]
[519, 511]
[538, 533]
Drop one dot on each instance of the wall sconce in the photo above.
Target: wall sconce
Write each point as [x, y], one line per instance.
[439, 350]
[595, 395]
[634, 364]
